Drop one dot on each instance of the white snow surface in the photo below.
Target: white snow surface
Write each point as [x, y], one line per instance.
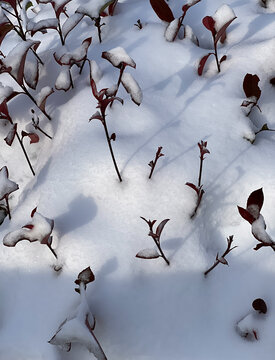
[92, 8]
[7, 186]
[145, 309]
[118, 55]
[132, 87]
[5, 92]
[171, 30]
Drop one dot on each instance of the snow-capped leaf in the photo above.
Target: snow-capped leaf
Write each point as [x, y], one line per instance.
[256, 198]
[202, 63]
[6, 185]
[189, 34]
[11, 135]
[222, 31]
[161, 226]
[162, 10]
[172, 30]
[42, 25]
[5, 28]
[118, 57]
[31, 71]
[42, 96]
[63, 81]
[71, 23]
[150, 253]
[132, 87]
[76, 56]
[95, 72]
[189, 4]
[34, 138]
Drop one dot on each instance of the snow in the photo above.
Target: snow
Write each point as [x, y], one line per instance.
[95, 71]
[5, 92]
[63, 81]
[258, 230]
[132, 87]
[43, 93]
[144, 309]
[42, 25]
[222, 16]
[6, 185]
[92, 9]
[252, 322]
[70, 23]
[41, 227]
[117, 56]
[171, 30]
[148, 253]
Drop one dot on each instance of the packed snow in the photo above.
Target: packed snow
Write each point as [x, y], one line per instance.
[143, 308]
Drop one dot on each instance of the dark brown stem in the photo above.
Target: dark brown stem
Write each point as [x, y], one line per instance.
[119, 80]
[153, 163]
[200, 171]
[98, 25]
[216, 55]
[82, 65]
[110, 146]
[161, 252]
[60, 33]
[8, 207]
[19, 24]
[25, 153]
[71, 79]
[52, 250]
[43, 132]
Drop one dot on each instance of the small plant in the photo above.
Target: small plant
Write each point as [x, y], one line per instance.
[198, 188]
[38, 229]
[153, 253]
[248, 326]
[6, 188]
[103, 101]
[153, 163]
[222, 259]
[256, 220]
[164, 12]
[79, 327]
[252, 92]
[13, 133]
[217, 24]
[120, 59]
[139, 24]
[35, 124]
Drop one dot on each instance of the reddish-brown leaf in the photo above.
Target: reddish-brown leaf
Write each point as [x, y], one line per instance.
[34, 138]
[111, 7]
[162, 10]
[11, 135]
[161, 226]
[246, 215]
[85, 276]
[202, 63]
[209, 23]
[221, 33]
[33, 211]
[250, 86]
[256, 198]
[4, 29]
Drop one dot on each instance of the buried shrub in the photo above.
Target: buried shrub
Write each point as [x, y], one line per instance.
[198, 188]
[164, 12]
[79, 327]
[153, 163]
[38, 229]
[217, 25]
[222, 259]
[256, 220]
[153, 253]
[103, 100]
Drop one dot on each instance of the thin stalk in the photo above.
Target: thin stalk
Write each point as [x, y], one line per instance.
[9, 12]
[52, 250]
[8, 207]
[200, 172]
[161, 252]
[110, 146]
[118, 81]
[211, 268]
[19, 24]
[216, 55]
[82, 65]
[97, 24]
[60, 33]
[71, 79]
[43, 132]
[25, 153]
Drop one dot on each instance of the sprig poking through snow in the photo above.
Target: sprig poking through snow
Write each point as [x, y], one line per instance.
[6, 187]
[79, 326]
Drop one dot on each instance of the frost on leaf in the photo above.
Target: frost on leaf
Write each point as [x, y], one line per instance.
[132, 87]
[42, 25]
[38, 229]
[148, 254]
[79, 326]
[71, 23]
[63, 81]
[118, 57]
[6, 185]
[172, 30]
[95, 72]
[92, 8]
[17, 57]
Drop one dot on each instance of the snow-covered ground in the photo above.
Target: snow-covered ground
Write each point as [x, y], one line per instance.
[144, 309]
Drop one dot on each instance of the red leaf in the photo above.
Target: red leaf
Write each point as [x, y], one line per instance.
[4, 29]
[202, 63]
[194, 187]
[222, 30]
[256, 198]
[28, 226]
[250, 86]
[162, 10]
[161, 226]
[111, 8]
[11, 2]
[223, 58]
[20, 73]
[246, 215]
[34, 138]
[33, 211]
[94, 89]
[209, 23]
[10, 137]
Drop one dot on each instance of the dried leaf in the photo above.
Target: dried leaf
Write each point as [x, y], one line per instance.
[34, 138]
[85, 276]
[256, 198]
[246, 215]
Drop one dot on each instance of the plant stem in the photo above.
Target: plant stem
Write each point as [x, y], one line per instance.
[211, 268]
[8, 207]
[52, 250]
[43, 132]
[216, 55]
[60, 33]
[97, 24]
[200, 171]
[25, 153]
[110, 146]
[161, 252]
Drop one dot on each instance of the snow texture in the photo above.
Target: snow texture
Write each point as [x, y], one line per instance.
[117, 56]
[31, 70]
[70, 23]
[5, 92]
[252, 323]
[92, 9]
[95, 71]
[6, 185]
[43, 93]
[63, 81]
[222, 16]
[40, 229]
[171, 30]
[132, 87]
[148, 253]
[258, 230]
[33, 27]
